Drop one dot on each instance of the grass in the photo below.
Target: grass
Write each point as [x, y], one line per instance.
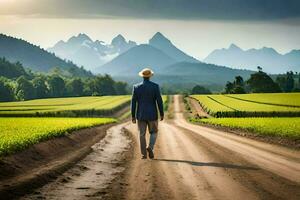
[280, 127]
[258, 105]
[19, 133]
[70, 107]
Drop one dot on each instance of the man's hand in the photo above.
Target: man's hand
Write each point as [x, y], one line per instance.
[161, 118]
[133, 120]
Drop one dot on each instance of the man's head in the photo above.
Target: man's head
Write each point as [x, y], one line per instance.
[146, 73]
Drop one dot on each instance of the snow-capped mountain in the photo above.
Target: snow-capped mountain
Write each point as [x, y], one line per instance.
[82, 50]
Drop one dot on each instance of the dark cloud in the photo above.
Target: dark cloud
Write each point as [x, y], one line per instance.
[167, 9]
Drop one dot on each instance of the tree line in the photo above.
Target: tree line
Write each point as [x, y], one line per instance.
[18, 85]
[261, 82]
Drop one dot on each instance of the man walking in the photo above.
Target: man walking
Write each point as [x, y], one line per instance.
[146, 98]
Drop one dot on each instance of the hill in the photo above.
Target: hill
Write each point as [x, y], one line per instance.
[268, 58]
[36, 58]
[135, 59]
[183, 76]
[204, 73]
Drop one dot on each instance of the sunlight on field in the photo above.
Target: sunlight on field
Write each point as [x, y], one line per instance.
[248, 105]
[280, 126]
[269, 112]
[19, 133]
[78, 106]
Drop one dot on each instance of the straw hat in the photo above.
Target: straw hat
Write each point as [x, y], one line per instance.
[146, 73]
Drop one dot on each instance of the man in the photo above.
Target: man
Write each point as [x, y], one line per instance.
[145, 100]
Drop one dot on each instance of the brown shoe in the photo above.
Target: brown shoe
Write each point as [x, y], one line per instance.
[144, 157]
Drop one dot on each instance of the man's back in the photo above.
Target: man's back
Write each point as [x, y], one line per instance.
[147, 97]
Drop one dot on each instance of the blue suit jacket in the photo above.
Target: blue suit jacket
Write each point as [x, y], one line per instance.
[145, 99]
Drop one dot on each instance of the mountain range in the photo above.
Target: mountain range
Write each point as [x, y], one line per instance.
[35, 58]
[124, 59]
[83, 51]
[268, 58]
[157, 54]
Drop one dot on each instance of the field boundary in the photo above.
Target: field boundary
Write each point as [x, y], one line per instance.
[22, 172]
[287, 142]
[259, 102]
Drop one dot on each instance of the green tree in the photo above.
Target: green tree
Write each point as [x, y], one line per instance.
[106, 85]
[290, 83]
[121, 88]
[260, 82]
[229, 87]
[41, 89]
[239, 81]
[237, 87]
[24, 89]
[75, 87]
[6, 91]
[200, 90]
[56, 86]
[281, 81]
[11, 70]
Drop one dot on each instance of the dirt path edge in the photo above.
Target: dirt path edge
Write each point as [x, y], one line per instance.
[21, 173]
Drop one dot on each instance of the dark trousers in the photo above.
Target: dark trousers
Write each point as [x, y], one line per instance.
[153, 129]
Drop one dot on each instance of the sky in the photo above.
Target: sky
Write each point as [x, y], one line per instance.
[195, 26]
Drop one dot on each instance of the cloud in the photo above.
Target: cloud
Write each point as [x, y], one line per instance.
[157, 9]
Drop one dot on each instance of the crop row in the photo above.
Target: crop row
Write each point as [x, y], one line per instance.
[227, 106]
[66, 107]
[18, 133]
[278, 99]
[279, 126]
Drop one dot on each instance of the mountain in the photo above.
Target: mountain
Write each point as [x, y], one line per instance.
[82, 50]
[35, 58]
[203, 73]
[268, 58]
[135, 59]
[183, 76]
[160, 42]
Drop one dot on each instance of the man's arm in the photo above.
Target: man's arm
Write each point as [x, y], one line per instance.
[160, 103]
[133, 105]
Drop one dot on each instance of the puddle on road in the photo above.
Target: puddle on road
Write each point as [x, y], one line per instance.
[88, 178]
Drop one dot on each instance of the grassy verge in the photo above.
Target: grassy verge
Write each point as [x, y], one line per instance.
[284, 127]
[19, 133]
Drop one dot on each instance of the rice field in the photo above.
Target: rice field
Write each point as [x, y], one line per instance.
[280, 99]
[70, 107]
[279, 127]
[258, 105]
[274, 114]
[19, 133]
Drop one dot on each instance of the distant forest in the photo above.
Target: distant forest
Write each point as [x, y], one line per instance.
[18, 84]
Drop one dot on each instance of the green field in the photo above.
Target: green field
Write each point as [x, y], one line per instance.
[71, 107]
[281, 126]
[18, 133]
[281, 99]
[275, 114]
[251, 105]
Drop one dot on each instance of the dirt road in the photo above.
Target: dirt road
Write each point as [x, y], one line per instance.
[194, 162]
[191, 162]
